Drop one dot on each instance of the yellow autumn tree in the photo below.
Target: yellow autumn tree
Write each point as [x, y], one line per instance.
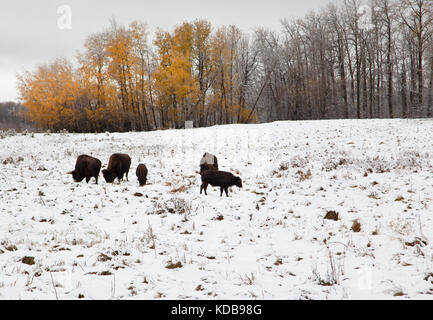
[174, 80]
[50, 94]
[123, 83]
[99, 86]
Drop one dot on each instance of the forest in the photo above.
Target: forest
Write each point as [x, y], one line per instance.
[14, 116]
[345, 60]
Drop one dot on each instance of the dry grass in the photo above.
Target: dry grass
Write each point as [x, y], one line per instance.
[332, 215]
[248, 280]
[335, 270]
[181, 189]
[356, 227]
[417, 242]
[278, 262]
[172, 265]
[103, 258]
[28, 260]
[302, 176]
[374, 196]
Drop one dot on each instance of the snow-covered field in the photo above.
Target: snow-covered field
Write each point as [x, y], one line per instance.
[268, 240]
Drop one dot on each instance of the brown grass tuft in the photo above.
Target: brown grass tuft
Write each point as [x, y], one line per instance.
[332, 215]
[356, 227]
[181, 189]
[302, 176]
[103, 258]
[11, 248]
[172, 265]
[278, 262]
[28, 260]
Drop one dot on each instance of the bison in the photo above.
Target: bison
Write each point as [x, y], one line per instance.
[141, 174]
[118, 165]
[221, 179]
[86, 167]
[208, 162]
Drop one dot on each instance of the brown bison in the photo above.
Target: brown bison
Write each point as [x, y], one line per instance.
[86, 167]
[141, 174]
[118, 165]
[208, 162]
[221, 179]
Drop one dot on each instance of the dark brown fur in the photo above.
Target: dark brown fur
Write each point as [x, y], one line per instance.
[221, 179]
[86, 167]
[141, 174]
[118, 165]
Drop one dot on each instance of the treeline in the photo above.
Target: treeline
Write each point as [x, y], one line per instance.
[343, 61]
[13, 116]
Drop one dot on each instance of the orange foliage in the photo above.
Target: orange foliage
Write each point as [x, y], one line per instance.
[122, 83]
[50, 94]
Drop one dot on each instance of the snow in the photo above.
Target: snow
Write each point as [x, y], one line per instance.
[268, 240]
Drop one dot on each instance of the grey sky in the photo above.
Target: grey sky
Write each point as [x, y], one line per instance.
[29, 34]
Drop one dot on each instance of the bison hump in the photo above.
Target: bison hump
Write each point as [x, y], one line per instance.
[207, 159]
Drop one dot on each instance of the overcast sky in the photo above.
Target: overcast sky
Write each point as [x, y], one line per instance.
[29, 32]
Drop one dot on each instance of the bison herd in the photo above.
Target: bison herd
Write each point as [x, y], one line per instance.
[119, 164]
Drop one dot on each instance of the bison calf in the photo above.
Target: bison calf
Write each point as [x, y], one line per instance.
[141, 174]
[118, 165]
[86, 167]
[221, 179]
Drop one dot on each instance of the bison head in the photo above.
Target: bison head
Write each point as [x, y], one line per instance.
[76, 176]
[238, 182]
[108, 176]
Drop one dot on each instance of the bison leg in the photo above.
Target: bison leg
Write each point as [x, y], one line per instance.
[227, 191]
[87, 179]
[222, 190]
[96, 178]
[204, 186]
